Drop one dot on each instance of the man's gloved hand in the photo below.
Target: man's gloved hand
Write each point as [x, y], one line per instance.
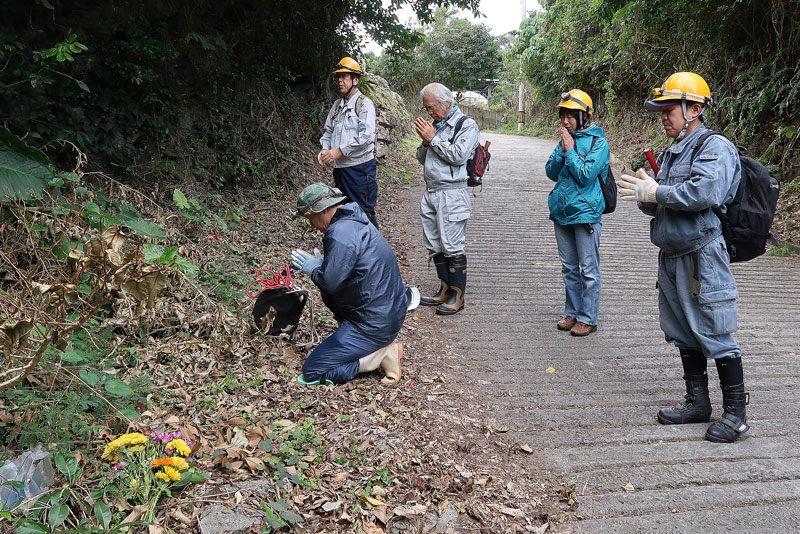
[305, 262]
[640, 187]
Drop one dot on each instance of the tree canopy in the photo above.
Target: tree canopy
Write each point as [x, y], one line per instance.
[455, 52]
[127, 81]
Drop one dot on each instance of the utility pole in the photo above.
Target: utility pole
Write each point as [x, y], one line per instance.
[521, 108]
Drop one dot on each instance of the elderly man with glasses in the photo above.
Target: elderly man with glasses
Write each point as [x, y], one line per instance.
[445, 206]
[359, 280]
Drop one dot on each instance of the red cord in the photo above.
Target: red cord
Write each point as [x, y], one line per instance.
[278, 279]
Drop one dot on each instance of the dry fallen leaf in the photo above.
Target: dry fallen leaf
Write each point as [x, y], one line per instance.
[550, 370]
[332, 505]
[629, 487]
[513, 512]
[526, 448]
[371, 500]
[409, 510]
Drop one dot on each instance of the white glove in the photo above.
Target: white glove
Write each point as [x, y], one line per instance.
[640, 187]
[305, 262]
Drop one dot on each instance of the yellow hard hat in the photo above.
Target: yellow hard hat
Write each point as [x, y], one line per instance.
[681, 86]
[576, 99]
[348, 64]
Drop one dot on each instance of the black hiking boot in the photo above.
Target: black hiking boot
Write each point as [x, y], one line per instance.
[734, 418]
[696, 406]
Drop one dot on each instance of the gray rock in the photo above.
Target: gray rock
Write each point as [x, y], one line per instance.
[217, 519]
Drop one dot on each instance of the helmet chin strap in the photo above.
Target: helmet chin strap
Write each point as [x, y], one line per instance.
[687, 120]
[354, 86]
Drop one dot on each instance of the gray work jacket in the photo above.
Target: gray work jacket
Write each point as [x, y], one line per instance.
[445, 163]
[684, 220]
[353, 133]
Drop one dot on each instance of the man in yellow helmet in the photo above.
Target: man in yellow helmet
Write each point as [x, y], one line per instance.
[697, 291]
[348, 140]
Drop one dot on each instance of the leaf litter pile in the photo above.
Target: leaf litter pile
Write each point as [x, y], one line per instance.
[358, 457]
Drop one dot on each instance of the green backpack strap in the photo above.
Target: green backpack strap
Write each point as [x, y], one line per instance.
[359, 103]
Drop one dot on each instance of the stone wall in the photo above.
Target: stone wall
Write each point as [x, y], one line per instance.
[392, 122]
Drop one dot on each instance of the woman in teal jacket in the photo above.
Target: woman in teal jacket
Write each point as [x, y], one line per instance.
[576, 205]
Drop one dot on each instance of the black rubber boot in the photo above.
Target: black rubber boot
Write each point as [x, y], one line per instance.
[458, 284]
[442, 264]
[696, 406]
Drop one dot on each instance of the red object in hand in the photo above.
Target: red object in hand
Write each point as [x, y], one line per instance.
[650, 159]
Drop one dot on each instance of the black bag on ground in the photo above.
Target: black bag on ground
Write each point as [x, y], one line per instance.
[608, 187]
[278, 310]
[748, 217]
[478, 163]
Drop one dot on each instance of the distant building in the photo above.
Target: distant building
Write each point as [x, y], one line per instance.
[471, 98]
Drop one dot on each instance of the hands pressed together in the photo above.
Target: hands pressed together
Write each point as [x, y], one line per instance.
[567, 142]
[640, 187]
[425, 130]
[306, 262]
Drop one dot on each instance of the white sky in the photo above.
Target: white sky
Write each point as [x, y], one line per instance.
[502, 16]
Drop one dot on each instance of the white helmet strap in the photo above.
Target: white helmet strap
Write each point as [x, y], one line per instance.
[686, 119]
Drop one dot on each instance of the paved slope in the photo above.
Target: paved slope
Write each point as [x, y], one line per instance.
[592, 422]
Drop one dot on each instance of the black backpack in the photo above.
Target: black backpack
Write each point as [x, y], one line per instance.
[478, 163]
[608, 187]
[748, 218]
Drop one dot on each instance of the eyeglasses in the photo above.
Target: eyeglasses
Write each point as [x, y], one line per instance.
[429, 108]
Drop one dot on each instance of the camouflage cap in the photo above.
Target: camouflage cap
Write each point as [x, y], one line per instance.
[315, 198]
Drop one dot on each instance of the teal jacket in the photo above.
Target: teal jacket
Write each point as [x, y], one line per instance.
[577, 197]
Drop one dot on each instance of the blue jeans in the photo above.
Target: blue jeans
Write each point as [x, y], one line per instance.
[337, 357]
[359, 185]
[701, 321]
[579, 251]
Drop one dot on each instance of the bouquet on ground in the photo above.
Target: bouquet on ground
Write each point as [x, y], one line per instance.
[144, 467]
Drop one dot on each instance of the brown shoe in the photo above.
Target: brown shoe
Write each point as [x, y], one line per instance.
[566, 323]
[582, 329]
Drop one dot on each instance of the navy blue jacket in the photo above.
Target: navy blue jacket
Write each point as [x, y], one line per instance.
[359, 278]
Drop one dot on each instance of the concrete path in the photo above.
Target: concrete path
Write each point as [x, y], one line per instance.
[592, 421]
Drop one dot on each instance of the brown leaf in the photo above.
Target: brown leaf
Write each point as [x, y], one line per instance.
[180, 516]
[253, 463]
[371, 528]
[238, 421]
[113, 238]
[136, 513]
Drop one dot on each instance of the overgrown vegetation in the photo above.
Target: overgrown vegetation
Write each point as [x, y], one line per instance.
[619, 50]
[217, 93]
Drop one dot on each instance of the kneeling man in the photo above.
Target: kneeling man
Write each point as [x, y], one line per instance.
[360, 282]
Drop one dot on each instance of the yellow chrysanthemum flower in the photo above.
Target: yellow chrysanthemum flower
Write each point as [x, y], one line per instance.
[179, 446]
[109, 453]
[162, 476]
[132, 439]
[179, 463]
[127, 440]
[134, 485]
[172, 473]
